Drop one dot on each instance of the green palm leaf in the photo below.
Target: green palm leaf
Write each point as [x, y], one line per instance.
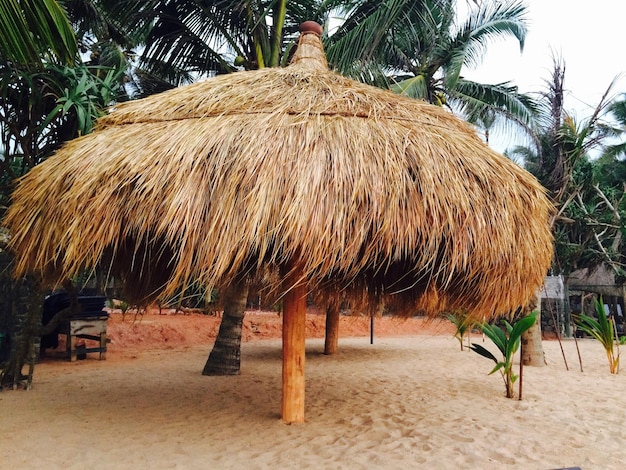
[484, 352]
[34, 29]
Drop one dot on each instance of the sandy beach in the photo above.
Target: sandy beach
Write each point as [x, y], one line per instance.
[410, 400]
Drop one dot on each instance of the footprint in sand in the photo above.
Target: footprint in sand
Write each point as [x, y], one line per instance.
[361, 421]
[460, 438]
[500, 458]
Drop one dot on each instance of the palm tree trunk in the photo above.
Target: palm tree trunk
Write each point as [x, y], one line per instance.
[532, 349]
[332, 327]
[20, 320]
[225, 358]
[277, 32]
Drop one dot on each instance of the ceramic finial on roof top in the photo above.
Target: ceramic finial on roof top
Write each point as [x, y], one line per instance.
[311, 27]
[310, 51]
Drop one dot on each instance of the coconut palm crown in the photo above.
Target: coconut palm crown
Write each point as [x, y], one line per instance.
[383, 196]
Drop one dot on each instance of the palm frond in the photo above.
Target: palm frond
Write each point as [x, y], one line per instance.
[366, 29]
[32, 29]
[492, 20]
[414, 87]
[503, 98]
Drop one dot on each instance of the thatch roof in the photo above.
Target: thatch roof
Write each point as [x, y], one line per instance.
[377, 193]
[600, 279]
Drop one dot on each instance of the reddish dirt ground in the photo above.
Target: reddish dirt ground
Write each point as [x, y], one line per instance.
[171, 330]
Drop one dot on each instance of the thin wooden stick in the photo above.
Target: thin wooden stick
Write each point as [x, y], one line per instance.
[616, 341]
[521, 369]
[558, 336]
[580, 360]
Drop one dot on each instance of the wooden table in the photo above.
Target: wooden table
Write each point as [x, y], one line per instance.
[86, 327]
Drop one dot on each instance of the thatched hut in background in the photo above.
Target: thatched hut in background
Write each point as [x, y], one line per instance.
[588, 284]
[601, 280]
[336, 184]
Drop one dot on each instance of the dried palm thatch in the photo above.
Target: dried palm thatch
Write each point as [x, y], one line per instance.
[374, 193]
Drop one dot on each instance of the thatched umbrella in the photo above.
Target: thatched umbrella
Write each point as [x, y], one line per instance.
[335, 183]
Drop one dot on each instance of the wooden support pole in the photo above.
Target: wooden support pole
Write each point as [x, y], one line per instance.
[294, 334]
[332, 327]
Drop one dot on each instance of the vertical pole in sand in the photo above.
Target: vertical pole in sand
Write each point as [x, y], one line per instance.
[294, 335]
[580, 360]
[557, 330]
[372, 328]
[521, 369]
[616, 341]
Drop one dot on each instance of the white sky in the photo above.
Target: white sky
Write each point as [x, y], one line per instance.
[589, 36]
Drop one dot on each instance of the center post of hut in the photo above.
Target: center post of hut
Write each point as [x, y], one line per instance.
[294, 338]
[294, 301]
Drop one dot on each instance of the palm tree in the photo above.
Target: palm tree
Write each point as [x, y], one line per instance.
[420, 49]
[105, 31]
[48, 94]
[562, 143]
[32, 33]
[586, 225]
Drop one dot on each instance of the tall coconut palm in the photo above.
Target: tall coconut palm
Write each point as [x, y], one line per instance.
[420, 49]
[562, 142]
[559, 157]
